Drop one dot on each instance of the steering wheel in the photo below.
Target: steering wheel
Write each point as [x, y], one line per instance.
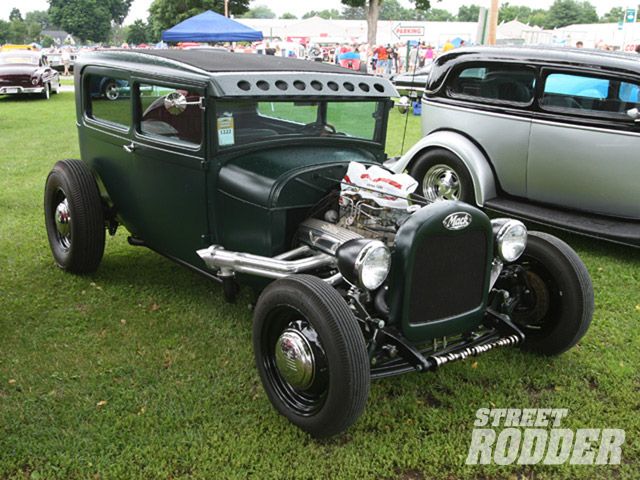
[319, 128]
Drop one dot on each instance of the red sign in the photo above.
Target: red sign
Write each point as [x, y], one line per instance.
[408, 31]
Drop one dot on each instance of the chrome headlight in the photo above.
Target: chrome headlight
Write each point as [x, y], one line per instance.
[363, 262]
[35, 80]
[511, 238]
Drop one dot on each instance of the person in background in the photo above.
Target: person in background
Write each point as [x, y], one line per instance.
[579, 44]
[66, 60]
[391, 56]
[383, 60]
[448, 46]
[638, 48]
[428, 55]
[269, 50]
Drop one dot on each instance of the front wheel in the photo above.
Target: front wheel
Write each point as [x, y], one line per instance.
[311, 355]
[441, 175]
[556, 311]
[46, 92]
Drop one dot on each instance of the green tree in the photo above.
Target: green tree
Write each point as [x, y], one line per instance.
[164, 14]
[326, 14]
[5, 31]
[15, 15]
[40, 17]
[288, 16]
[137, 33]
[259, 11]
[538, 17]
[613, 16]
[569, 12]
[439, 15]
[510, 12]
[18, 32]
[47, 41]
[372, 8]
[88, 19]
[392, 10]
[354, 13]
[468, 13]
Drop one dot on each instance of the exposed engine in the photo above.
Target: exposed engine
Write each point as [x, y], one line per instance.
[372, 203]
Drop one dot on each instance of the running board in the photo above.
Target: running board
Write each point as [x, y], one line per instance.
[626, 232]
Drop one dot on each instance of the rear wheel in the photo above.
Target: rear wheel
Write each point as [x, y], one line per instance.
[311, 355]
[558, 311]
[441, 175]
[74, 217]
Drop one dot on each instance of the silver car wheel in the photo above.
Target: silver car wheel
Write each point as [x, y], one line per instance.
[111, 92]
[441, 182]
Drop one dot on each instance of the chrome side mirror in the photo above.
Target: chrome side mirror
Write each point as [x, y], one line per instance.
[634, 114]
[175, 103]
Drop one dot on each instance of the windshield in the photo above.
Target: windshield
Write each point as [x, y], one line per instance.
[242, 122]
[17, 58]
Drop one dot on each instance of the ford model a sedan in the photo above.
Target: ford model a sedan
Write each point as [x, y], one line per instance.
[267, 172]
[27, 72]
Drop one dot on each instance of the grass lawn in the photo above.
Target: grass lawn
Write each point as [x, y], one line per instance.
[142, 371]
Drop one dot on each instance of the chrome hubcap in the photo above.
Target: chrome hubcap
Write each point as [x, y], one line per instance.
[441, 182]
[63, 223]
[112, 92]
[294, 359]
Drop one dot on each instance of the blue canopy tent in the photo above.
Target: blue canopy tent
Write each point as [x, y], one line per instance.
[210, 27]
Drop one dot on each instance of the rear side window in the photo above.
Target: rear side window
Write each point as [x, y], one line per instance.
[494, 83]
[587, 94]
[109, 100]
[170, 114]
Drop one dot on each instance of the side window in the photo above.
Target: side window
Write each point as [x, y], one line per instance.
[494, 83]
[109, 100]
[171, 114]
[589, 95]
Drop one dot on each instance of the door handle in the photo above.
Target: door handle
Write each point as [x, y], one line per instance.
[129, 148]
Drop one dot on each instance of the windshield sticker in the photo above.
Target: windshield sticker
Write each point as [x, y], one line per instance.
[225, 130]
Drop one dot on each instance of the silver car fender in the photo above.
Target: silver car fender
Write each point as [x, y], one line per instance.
[473, 158]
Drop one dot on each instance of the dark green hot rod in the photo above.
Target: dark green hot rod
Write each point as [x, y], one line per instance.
[240, 167]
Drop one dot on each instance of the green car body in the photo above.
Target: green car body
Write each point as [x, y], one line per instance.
[237, 166]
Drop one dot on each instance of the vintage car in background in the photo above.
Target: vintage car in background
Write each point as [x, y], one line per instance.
[27, 72]
[546, 134]
[55, 60]
[267, 172]
[410, 86]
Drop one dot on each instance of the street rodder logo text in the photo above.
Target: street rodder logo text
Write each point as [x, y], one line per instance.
[535, 435]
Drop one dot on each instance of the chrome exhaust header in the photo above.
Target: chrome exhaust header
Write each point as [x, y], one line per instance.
[228, 263]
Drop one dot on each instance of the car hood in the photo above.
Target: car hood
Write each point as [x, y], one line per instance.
[279, 176]
[14, 70]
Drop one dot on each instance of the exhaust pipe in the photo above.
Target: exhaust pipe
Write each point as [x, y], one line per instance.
[228, 262]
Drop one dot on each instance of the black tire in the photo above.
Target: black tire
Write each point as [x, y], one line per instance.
[562, 305]
[341, 380]
[77, 239]
[429, 162]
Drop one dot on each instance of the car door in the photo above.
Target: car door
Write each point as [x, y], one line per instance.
[166, 161]
[583, 149]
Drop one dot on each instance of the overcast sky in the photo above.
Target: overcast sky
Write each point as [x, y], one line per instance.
[299, 8]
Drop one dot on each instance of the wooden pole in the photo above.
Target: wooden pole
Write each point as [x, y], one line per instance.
[493, 22]
[226, 8]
